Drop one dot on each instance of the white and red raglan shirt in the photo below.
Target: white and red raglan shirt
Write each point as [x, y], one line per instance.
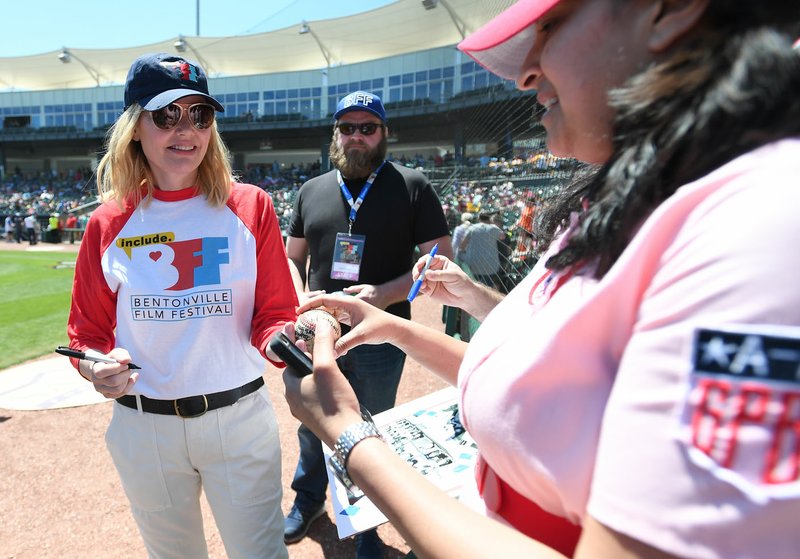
[664, 398]
[193, 292]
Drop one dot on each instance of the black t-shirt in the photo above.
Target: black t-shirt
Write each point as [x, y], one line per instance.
[401, 210]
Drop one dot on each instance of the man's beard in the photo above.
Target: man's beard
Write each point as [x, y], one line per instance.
[357, 163]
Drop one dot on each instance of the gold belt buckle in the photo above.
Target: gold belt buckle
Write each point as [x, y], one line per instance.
[178, 411]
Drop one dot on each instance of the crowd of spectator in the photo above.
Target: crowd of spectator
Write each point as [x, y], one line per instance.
[473, 185]
[40, 206]
[46, 193]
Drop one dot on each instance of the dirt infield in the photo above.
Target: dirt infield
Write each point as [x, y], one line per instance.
[60, 496]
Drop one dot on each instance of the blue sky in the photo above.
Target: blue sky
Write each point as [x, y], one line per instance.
[38, 26]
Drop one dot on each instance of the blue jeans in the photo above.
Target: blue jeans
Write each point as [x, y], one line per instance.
[374, 373]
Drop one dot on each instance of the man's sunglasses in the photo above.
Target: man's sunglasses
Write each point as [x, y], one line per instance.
[366, 128]
[201, 115]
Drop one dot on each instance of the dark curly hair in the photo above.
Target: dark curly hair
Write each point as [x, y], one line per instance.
[734, 88]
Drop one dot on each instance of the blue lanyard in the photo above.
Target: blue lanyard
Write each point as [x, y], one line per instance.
[354, 205]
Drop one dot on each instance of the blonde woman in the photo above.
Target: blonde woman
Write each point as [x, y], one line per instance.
[182, 271]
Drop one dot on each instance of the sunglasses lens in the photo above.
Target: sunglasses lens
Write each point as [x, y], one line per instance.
[201, 115]
[368, 128]
[167, 117]
[346, 128]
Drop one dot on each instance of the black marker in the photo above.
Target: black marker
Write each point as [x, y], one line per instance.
[90, 355]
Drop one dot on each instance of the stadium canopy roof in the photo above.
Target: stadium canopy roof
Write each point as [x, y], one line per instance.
[400, 27]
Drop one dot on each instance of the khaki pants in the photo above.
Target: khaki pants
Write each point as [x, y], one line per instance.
[231, 453]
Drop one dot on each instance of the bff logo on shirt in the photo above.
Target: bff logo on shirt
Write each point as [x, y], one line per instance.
[742, 414]
[197, 262]
[183, 278]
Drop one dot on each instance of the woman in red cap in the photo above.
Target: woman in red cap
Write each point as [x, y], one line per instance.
[637, 395]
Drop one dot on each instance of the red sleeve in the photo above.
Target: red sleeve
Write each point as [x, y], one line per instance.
[275, 298]
[93, 312]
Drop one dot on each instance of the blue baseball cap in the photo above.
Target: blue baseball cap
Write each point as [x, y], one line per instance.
[156, 80]
[360, 101]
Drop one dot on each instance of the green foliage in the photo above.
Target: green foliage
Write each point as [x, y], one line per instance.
[35, 292]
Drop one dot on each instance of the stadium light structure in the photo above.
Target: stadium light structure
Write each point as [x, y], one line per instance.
[305, 29]
[65, 56]
[182, 44]
[457, 21]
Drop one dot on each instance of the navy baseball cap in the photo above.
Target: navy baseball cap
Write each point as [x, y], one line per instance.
[156, 80]
[360, 101]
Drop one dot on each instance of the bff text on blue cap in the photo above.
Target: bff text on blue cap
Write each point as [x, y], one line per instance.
[360, 101]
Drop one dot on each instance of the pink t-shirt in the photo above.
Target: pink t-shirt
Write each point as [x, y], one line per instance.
[664, 399]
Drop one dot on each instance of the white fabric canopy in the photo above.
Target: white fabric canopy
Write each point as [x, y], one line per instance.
[401, 27]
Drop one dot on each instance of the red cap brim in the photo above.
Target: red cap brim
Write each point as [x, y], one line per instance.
[501, 45]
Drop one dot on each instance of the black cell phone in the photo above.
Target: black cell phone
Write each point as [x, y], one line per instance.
[297, 361]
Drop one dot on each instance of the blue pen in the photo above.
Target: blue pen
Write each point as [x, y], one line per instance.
[417, 284]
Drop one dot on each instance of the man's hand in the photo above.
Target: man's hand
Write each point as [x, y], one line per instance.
[372, 294]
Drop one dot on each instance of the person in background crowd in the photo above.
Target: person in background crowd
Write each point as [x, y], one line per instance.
[9, 228]
[30, 228]
[505, 283]
[523, 228]
[183, 271]
[54, 229]
[71, 222]
[481, 250]
[360, 223]
[458, 235]
[19, 228]
[70, 226]
[636, 394]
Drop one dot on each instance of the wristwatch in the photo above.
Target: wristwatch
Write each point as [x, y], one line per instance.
[345, 444]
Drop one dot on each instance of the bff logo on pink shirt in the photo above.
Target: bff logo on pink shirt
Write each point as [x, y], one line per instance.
[743, 410]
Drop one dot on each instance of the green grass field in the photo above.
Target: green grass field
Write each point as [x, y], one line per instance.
[34, 303]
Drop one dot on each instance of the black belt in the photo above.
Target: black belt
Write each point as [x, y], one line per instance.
[193, 406]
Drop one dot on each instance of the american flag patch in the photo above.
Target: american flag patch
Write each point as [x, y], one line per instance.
[742, 414]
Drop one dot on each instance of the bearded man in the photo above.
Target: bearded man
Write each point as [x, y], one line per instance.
[361, 223]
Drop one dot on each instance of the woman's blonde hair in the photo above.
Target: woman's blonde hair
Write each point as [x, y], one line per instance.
[124, 173]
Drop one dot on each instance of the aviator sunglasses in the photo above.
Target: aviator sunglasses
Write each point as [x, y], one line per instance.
[366, 128]
[201, 115]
